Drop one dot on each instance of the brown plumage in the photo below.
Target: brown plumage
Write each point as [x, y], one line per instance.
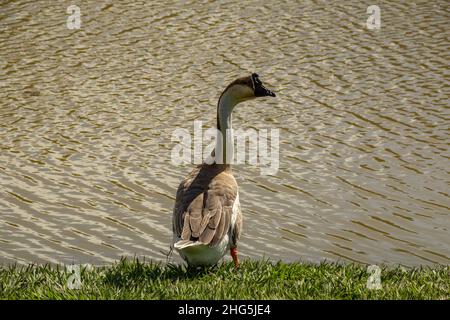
[204, 204]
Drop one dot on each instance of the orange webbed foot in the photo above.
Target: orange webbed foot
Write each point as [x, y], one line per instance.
[234, 255]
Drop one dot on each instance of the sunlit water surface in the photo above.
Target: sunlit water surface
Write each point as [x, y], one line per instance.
[87, 116]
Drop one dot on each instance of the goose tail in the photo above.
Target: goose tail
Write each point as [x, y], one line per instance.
[183, 244]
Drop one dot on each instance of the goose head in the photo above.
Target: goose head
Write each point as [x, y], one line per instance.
[247, 88]
[239, 90]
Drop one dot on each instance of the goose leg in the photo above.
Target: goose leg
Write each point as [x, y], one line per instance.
[234, 255]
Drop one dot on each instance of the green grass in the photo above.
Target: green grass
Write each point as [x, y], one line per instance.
[133, 279]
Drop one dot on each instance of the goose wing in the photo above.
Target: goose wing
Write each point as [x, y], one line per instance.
[204, 206]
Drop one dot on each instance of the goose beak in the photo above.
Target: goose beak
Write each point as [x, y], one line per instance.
[262, 91]
[270, 93]
[259, 89]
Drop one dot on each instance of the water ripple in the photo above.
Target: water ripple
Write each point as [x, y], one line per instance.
[87, 117]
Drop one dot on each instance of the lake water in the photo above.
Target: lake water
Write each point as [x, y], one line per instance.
[87, 116]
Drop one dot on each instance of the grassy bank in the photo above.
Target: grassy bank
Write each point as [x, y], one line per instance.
[132, 279]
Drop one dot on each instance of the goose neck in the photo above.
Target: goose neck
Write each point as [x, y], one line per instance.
[224, 141]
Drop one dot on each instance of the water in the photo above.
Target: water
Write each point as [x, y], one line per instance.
[86, 119]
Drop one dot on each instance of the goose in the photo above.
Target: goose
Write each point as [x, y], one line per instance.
[207, 218]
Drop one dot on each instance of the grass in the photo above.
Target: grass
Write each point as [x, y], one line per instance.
[134, 279]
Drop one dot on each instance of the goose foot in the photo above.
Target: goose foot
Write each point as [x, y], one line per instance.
[234, 255]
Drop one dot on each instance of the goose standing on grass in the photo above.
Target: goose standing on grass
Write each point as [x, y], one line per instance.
[207, 217]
